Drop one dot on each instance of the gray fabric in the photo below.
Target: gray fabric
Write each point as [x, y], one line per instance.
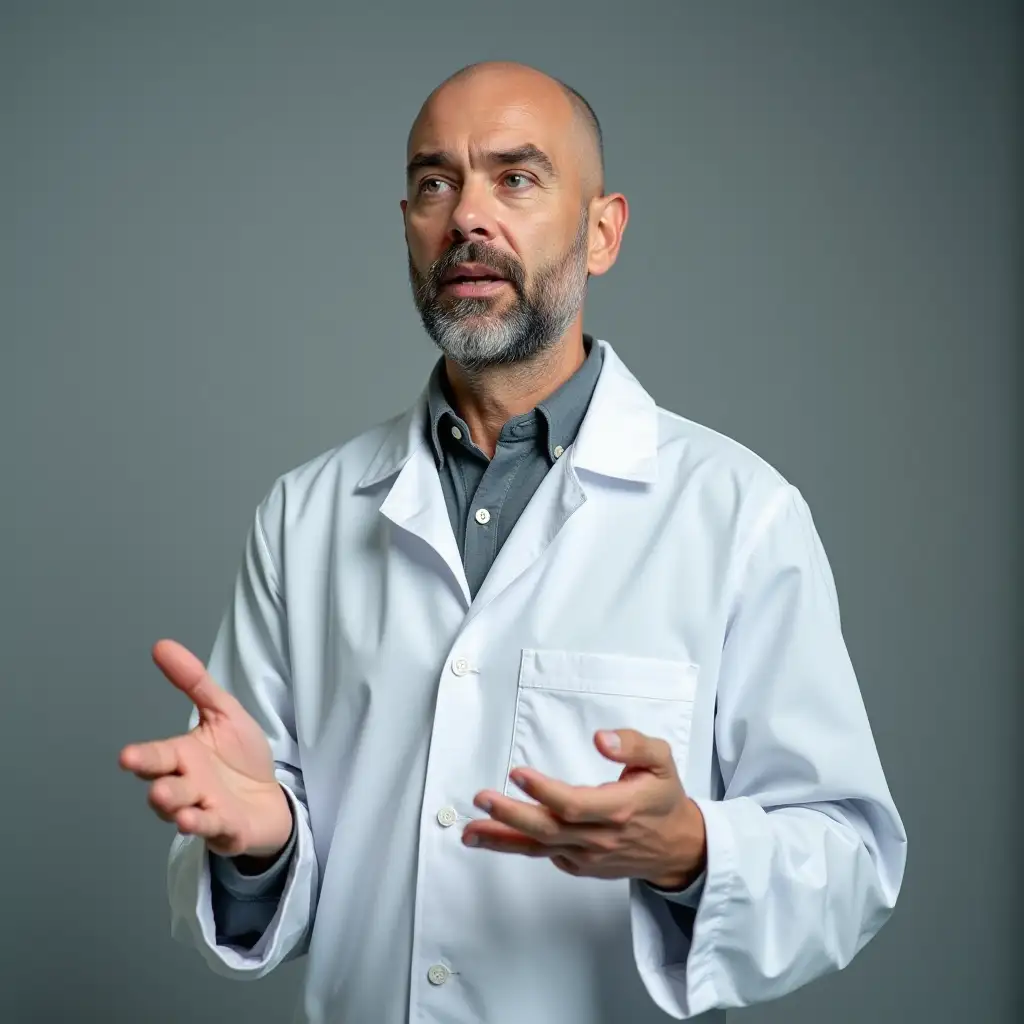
[503, 485]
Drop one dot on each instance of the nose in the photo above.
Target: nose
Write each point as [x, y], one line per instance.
[471, 219]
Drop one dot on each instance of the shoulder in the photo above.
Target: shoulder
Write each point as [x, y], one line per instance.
[735, 494]
[313, 491]
[692, 452]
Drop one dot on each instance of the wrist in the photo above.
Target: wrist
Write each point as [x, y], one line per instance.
[690, 852]
[257, 859]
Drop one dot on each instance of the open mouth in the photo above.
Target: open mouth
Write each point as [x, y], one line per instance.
[473, 284]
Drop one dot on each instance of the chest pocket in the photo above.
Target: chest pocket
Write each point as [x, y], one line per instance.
[564, 697]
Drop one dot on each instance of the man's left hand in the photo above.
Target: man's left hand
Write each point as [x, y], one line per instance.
[641, 826]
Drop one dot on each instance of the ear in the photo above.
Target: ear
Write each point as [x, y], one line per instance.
[611, 214]
[404, 203]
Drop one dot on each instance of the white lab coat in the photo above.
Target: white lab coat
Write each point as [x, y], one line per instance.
[663, 578]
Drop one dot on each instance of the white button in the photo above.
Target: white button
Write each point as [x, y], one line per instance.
[438, 974]
[483, 517]
[456, 433]
[447, 816]
[558, 451]
[460, 666]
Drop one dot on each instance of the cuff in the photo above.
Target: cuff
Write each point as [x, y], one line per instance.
[688, 897]
[243, 886]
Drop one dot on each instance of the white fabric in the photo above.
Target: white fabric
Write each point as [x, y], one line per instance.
[663, 578]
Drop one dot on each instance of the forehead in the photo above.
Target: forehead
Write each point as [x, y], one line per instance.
[486, 113]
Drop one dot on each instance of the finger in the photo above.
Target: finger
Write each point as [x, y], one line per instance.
[171, 793]
[198, 821]
[533, 820]
[501, 838]
[627, 746]
[612, 803]
[189, 675]
[151, 760]
[566, 864]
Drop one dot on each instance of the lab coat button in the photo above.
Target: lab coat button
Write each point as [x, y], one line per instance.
[460, 666]
[483, 517]
[438, 974]
[447, 816]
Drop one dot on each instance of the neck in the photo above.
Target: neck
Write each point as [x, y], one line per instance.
[486, 399]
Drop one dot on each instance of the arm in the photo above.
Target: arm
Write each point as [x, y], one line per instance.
[247, 933]
[805, 851]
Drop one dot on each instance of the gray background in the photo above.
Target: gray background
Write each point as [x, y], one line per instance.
[203, 284]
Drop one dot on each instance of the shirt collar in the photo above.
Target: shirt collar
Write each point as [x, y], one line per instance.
[556, 420]
[618, 437]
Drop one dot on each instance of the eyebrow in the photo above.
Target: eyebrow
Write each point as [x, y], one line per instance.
[525, 154]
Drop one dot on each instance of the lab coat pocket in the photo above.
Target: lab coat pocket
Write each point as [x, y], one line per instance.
[564, 697]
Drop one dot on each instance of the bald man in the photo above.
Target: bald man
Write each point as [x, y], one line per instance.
[531, 704]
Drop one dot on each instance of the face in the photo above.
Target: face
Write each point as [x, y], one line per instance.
[496, 222]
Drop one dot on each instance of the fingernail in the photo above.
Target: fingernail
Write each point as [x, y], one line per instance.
[519, 780]
[611, 740]
[484, 804]
[471, 840]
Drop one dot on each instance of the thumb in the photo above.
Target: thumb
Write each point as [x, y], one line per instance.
[189, 675]
[629, 747]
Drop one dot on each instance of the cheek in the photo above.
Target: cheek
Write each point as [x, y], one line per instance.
[419, 234]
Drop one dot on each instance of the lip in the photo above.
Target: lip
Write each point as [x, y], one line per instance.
[471, 270]
[473, 289]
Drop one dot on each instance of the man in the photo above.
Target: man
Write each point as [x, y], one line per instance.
[531, 704]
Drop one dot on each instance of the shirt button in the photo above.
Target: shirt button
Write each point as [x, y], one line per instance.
[456, 433]
[438, 974]
[559, 450]
[460, 666]
[447, 816]
[483, 517]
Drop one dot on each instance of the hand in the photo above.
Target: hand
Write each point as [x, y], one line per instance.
[217, 781]
[641, 826]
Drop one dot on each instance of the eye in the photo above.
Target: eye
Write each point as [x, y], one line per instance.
[523, 180]
[426, 183]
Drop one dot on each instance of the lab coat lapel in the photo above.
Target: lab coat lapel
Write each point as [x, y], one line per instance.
[618, 439]
[415, 502]
[560, 494]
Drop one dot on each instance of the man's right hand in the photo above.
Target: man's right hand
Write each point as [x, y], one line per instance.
[217, 781]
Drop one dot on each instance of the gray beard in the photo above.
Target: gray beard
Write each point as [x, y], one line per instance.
[474, 338]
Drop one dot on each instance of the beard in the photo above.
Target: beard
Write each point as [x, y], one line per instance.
[476, 333]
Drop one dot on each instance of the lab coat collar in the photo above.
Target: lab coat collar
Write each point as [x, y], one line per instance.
[618, 437]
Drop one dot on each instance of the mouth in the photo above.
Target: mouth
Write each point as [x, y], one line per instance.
[473, 287]
[472, 280]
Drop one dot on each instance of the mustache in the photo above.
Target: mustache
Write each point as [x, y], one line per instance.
[500, 262]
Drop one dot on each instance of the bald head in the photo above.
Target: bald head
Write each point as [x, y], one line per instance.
[560, 101]
[505, 213]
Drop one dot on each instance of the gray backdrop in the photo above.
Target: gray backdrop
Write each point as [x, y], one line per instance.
[203, 284]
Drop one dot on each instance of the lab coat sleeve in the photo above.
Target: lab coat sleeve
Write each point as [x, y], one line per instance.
[250, 659]
[805, 850]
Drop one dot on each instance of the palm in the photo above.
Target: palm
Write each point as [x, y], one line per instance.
[216, 781]
[235, 747]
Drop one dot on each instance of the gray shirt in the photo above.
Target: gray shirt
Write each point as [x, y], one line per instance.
[485, 498]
